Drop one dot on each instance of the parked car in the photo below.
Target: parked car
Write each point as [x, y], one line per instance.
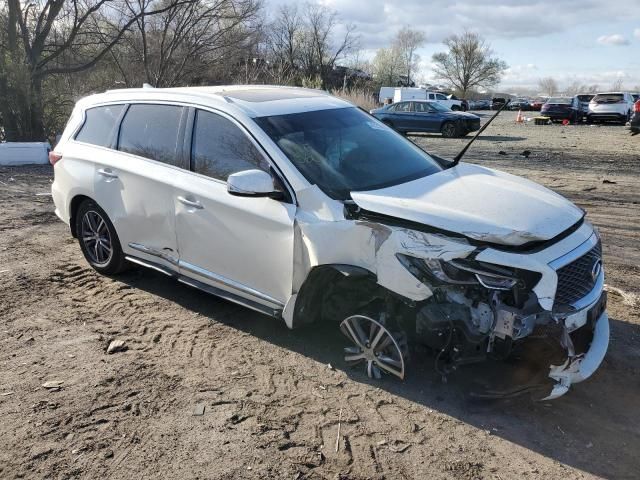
[635, 119]
[519, 104]
[536, 104]
[427, 116]
[464, 104]
[497, 103]
[611, 106]
[480, 105]
[301, 206]
[583, 104]
[561, 108]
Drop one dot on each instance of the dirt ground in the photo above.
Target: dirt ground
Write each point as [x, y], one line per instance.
[274, 400]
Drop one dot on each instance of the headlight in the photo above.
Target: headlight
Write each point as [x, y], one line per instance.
[460, 272]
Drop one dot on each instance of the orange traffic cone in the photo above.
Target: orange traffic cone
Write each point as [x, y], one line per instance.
[519, 118]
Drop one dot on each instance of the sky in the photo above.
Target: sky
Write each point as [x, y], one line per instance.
[591, 41]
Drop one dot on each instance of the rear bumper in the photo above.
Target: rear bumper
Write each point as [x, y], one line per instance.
[613, 116]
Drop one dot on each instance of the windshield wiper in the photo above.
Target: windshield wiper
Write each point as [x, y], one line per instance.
[458, 157]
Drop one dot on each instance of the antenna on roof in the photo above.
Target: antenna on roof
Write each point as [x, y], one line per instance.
[147, 85]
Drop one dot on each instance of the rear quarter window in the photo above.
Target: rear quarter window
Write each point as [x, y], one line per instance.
[99, 125]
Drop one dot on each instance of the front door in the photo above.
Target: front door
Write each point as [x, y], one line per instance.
[243, 245]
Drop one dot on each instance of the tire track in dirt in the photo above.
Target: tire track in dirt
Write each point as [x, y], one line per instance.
[148, 319]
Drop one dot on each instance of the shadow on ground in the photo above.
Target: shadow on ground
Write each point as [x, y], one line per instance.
[568, 430]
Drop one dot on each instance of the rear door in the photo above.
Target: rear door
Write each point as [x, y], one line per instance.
[135, 184]
[243, 245]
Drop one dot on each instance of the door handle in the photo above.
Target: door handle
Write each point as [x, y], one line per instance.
[107, 173]
[190, 203]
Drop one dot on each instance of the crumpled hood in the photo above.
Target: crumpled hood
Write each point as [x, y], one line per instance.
[478, 202]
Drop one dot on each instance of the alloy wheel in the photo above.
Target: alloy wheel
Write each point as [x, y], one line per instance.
[373, 345]
[96, 238]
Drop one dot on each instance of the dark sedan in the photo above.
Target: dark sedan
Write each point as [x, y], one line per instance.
[561, 108]
[425, 116]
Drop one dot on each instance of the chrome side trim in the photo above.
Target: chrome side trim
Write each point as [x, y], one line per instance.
[155, 252]
[151, 265]
[228, 283]
[218, 292]
[576, 253]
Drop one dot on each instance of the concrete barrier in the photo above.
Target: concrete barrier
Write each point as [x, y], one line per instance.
[24, 153]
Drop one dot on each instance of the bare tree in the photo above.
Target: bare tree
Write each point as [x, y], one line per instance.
[177, 45]
[53, 37]
[576, 87]
[405, 44]
[617, 85]
[307, 43]
[469, 63]
[548, 86]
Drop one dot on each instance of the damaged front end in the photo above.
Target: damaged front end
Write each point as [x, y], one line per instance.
[469, 303]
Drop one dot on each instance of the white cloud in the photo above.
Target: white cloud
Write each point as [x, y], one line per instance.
[636, 33]
[615, 39]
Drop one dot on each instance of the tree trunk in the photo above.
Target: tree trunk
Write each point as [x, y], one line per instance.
[36, 112]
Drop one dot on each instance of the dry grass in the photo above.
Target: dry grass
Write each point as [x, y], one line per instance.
[361, 98]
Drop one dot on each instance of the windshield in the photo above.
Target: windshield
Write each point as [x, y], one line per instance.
[343, 150]
[438, 107]
[560, 100]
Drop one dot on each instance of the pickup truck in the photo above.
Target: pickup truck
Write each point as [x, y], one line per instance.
[404, 94]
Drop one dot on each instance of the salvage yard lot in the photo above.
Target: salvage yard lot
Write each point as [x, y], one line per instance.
[272, 404]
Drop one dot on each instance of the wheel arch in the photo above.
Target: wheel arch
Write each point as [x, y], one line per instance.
[319, 285]
[73, 209]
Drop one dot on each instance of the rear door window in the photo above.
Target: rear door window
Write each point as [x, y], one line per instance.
[152, 131]
[99, 125]
[220, 148]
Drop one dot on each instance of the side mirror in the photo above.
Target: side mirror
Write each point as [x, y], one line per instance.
[252, 183]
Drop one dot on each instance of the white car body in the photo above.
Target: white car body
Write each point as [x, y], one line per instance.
[618, 111]
[409, 93]
[265, 253]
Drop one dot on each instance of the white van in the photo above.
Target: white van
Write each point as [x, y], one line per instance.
[301, 206]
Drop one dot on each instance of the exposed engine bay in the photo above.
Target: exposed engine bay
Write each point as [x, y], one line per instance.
[464, 301]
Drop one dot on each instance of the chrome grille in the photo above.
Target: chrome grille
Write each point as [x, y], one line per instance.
[575, 280]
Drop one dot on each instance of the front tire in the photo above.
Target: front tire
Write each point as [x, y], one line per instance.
[449, 130]
[98, 239]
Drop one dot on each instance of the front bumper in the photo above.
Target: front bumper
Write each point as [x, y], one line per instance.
[580, 367]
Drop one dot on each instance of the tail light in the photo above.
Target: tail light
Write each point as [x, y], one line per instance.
[54, 157]
[636, 107]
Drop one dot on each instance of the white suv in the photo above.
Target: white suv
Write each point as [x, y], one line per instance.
[299, 205]
[611, 106]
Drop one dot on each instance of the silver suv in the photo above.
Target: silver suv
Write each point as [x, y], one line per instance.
[610, 106]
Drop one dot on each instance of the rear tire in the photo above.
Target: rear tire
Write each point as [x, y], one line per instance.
[98, 239]
[455, 108]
